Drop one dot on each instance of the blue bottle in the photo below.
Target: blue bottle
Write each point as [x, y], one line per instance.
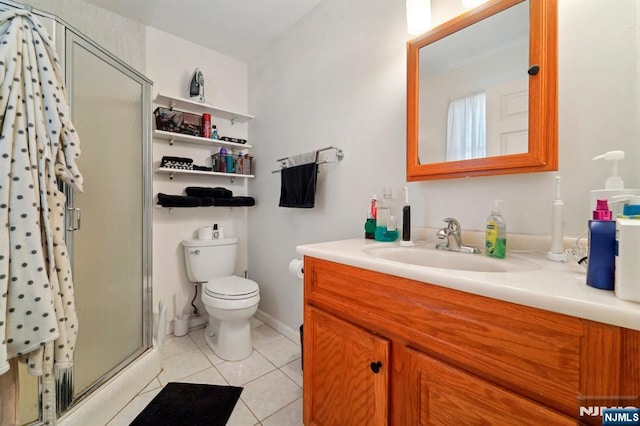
[602, 248]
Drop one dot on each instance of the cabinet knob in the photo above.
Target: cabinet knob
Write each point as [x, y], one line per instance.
[375, 367]
[534, 70]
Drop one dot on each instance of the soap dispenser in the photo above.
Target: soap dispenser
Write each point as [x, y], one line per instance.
[496, 233]
[614, 185]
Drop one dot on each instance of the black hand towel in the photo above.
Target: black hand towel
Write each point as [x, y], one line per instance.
[234, 202]
[298, 186]
[178, 201]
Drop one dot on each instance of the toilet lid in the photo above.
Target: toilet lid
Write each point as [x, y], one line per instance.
[232, 287]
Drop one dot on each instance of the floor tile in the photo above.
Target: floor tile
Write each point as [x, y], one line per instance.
[154, 384]
[291, 415]
[263, 335]
[237, 373]
[210, 376]
[177, 345]
[280, 352]
[270, 393]
[181, 366]
[131, 410]
[294, 371]
[242, 416]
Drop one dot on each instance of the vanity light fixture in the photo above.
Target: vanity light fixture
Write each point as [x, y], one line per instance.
[418, 16]
[469, 4]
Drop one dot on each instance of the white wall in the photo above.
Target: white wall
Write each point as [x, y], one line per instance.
[170, 63]
[121, 36]
[339, 77]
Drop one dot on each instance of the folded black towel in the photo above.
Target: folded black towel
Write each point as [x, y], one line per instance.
[234, 202]
[178, 201]
[207, 201]
[202, 168]
[217, 192]
[298, 186]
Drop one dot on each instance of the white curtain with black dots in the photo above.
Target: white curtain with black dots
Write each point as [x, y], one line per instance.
[38, 147]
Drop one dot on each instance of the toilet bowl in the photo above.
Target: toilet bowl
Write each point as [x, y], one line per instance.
[230, 301]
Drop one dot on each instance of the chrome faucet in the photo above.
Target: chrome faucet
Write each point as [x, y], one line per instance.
[452, 234]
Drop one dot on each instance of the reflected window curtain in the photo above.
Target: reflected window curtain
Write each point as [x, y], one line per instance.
[466, 127]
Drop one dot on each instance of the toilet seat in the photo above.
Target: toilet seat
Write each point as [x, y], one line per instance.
[231, 288]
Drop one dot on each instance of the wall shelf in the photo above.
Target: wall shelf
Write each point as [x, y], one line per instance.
[179, 137]
[173, 172]
[200, 107]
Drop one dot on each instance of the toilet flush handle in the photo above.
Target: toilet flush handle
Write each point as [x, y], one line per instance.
[197, 251]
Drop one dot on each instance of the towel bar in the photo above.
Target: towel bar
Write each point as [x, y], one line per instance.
[339, 157]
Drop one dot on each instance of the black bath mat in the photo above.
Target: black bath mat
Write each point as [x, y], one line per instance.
[190, 404]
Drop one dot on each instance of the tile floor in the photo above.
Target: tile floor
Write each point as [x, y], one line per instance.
[271, 377]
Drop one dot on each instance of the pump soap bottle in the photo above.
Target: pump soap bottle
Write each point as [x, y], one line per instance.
[496, 233]
[602, 245]
[614, 185]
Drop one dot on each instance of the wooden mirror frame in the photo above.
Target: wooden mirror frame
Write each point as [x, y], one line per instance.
[543, 98]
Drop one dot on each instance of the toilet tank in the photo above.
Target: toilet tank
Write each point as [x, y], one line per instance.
[209, 259]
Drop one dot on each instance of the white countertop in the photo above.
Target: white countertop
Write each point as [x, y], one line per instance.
[556, 287]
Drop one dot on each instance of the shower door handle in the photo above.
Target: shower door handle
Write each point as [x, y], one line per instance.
[75, 217]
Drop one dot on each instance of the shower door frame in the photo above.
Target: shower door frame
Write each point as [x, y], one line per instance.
[71, 35]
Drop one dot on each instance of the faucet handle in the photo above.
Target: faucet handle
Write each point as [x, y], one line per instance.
[452, 224]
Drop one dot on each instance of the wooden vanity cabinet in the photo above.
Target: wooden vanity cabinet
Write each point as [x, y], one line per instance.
[446, 357]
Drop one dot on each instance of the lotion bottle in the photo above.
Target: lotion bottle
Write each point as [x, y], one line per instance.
[496, 233]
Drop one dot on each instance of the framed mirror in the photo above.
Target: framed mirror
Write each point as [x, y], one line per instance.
[482, 93]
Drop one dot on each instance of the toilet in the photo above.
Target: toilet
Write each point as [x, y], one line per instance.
[229, 300]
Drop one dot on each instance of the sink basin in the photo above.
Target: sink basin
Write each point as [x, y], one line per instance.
[430, 257]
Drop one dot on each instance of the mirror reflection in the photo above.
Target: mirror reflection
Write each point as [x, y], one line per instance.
[473, 90]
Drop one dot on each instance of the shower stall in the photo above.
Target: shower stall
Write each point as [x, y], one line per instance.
[108, 225]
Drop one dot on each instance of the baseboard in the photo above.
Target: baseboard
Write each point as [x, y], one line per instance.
[104, 403]
[279, 326]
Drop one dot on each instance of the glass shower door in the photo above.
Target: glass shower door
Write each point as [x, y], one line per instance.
[110, 109]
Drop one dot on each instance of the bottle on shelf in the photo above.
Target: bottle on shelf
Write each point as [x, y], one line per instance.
[214, 132]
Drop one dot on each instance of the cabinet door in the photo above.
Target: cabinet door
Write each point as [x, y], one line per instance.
[346, 379]
[440, 394]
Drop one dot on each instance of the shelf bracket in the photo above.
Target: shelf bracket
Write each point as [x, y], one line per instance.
[233, 120]
[171, 175]
[171, 141]
[170, 210]
[172, 105]
[231, 179]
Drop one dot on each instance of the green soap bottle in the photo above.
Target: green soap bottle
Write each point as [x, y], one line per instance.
[496, 233]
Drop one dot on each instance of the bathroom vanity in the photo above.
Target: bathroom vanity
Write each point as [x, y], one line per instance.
[392, 343]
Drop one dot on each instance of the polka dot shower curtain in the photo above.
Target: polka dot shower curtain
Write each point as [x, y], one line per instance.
[38, 148]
